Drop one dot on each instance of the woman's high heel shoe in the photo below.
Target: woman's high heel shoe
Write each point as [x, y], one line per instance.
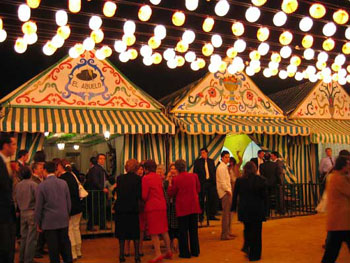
[168, 255]
[157, 259]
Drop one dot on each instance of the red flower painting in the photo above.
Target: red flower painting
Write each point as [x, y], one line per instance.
[212, 92]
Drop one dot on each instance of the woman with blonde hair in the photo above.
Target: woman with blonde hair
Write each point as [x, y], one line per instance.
[127, 209]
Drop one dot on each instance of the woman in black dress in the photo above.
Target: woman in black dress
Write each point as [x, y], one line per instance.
[251, 192]
[127, 209]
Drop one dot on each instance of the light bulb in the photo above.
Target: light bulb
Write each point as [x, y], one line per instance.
[89, 44]
[160, 32]
[250, 71]
[237, 29]
[74, 5]
[20, 45]
[119, 46]
[73, 53]
[215, 59]
[129, 27]
[299, 76]
[146, 51]
[157, 58]
[178, 18]
[267, 73]
[49, 49]
[194, 65]
[252, 14]
[279, 19]
[240, 45]
[99, 55]
[190, 56]
[285, 52]
[95, 23]
[3, 35]
[340, 59]
[155, 2]
[317, 10]
[57, 41]
[322, 56]
[306, 24]
[24, 12]
[283, 74]
[169, 54]
[329, 29]
[191, 5]
[208, 24]
[76, 147]
[309, 53]
[216, 40]
[172, 63]
[64, 32]
[124, 57]
[341, 17]
[188, 36]
[213, 68]
[263, 48]
[109, 8]
[61, 18]
[107, 51]
[33, 3]
[30, 39]
[145, 13]
[222, 7]
[29, 28]
[60, 146]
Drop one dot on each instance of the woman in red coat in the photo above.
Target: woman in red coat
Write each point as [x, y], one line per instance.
[186, 187]
[155, 209]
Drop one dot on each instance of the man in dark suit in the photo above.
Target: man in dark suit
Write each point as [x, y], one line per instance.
[8, 147]
[96, 179]
[22, 158]
[269, 170]
[52, 210]
[204, 167]
[280, 188]
[258, 160]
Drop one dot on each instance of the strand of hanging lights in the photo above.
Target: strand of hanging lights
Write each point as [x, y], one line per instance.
[299, 65]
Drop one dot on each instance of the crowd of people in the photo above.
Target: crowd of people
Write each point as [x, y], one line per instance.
[41, 203]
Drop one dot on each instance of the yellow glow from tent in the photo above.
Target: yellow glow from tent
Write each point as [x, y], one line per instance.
[64, 32]
[145, 13]
[178, 18]
[97, 36]
[207, 49]
[307, 41]
[129, 40]
[263, 34]
[341, 17]
[208, 24]
[275, 57]
[328, 44]
[109, 8]
[154, 42]
[33, 3]
[29, 28]
[317, 10]
[237, 29]
[286, 38]
[74, 5]
[181, 46]
[289, 6]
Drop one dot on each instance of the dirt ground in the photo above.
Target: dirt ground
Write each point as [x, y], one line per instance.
[290, 240]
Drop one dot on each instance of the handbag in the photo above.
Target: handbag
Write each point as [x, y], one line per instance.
[82, 192]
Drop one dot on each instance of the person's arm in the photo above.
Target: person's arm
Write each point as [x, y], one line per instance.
[198, 185]
[145, 188]
[38, 208]
[172, 188]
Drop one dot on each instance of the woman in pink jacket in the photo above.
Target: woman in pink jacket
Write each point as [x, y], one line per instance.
[155, 210]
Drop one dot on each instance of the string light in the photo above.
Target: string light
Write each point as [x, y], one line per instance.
[160, 32]
[222, 7]
[216, 40]
[61, 18]
[341, 17]
[252, 14]
[279, 19]
[208, 24]
[24, 12]
[317, 10]
[74, 6]
[33, 3]
[289, 6]
[191, 5]
[305, 24]
[3, 35]
[109, 8]
[329, 29]
[145, 13]
[178, 18]
[237, 29]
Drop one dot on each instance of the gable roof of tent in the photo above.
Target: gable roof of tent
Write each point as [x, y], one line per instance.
[82, 95]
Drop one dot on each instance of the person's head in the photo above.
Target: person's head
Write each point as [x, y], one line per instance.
[274, 156]
[249, 169]
[267, 157]
[150, 166]
[14, 166]
[23, 155]
[261, 154]
[67, 166]
[59, 167]
[225, 157]
[93, 161]
[233, 161]
[49, 168]
[180, 165]
[131, 166]
[342, 164]
[328, 152]
[140, 171]
[161, 170]
[25, 172]
[204, 153]
[39, 157]
[101, 159]
[172, 169]
[8, 144]
[38, 169]
[345, 153]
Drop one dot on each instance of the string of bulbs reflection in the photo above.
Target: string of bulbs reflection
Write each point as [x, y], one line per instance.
[177, 56]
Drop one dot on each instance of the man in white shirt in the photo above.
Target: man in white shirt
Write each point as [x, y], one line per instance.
[325, 167]
[223, 185]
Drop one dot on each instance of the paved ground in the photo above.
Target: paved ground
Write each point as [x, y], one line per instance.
[292, 240]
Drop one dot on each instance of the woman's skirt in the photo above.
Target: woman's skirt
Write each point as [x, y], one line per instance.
[157, 222]
[127, 226]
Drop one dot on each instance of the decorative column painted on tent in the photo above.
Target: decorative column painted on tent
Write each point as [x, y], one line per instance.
[187, 147]
[32, 142]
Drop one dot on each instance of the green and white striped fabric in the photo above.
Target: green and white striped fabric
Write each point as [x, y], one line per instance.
[327, 131]
[32, 142]
[145, 146]
[223, 124]
[89, 121]
[187, 147]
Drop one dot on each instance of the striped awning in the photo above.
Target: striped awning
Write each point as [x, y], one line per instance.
[224, 124]
[84, 121]
[327, 131]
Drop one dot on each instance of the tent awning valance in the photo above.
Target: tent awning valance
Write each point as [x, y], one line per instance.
[327, 131]
[84, 121]
[224, 124]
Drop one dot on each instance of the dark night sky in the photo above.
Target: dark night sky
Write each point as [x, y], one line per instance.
[157, 80]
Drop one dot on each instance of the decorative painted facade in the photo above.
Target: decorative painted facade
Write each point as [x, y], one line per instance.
[325, 101]
[84, 82]
[223, 93]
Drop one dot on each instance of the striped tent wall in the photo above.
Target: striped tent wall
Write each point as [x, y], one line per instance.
[186, 147]
[32, 142]
[144, 146]
[279, 144]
